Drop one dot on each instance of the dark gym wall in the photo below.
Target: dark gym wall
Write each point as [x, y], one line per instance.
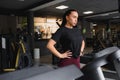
[103, 25]
[7, 24]
[86, 25]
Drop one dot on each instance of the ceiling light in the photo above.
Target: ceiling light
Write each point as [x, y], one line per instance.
[61, 7]
[88, 12]
[51, 3]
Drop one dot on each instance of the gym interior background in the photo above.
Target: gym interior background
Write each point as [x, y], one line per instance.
[27, 25]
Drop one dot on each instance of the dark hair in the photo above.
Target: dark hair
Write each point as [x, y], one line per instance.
[68, 12]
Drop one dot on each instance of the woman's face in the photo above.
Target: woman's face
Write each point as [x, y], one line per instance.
[72, 18]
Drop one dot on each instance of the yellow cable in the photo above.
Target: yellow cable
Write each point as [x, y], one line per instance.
[23, 47]
[18, 54]
[9, 69]
[13, 46]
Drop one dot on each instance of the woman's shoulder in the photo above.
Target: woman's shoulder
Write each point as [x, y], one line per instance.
[61, 28]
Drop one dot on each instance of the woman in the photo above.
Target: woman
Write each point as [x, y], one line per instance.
[71, 40]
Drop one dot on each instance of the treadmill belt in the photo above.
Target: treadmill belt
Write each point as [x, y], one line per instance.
[70, 72]
[25, 73]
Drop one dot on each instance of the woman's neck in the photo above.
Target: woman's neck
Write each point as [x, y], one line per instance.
[68, 26]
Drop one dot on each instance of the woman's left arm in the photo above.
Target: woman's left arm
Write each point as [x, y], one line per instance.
[82, 47]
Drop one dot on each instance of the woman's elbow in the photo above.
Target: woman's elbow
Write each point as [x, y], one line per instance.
[48, 45]
[83, 42]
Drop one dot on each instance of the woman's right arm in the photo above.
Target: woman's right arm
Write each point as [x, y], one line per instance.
[51, 47]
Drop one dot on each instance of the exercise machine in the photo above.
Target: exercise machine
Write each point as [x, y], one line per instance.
[14, 54]
[91, 56]
[93, 70]
[26, 72]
